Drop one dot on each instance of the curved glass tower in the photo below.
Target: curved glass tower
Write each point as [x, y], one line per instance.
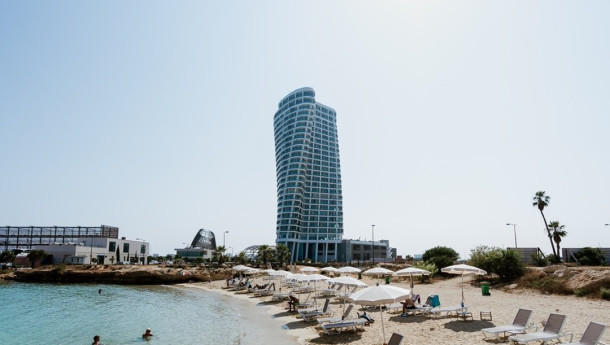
[309, 201]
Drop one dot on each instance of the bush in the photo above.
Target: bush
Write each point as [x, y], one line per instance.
[590, 257]
[441, 256]
[430, 267]
[506, 263]
[605, 294]
[540, 260]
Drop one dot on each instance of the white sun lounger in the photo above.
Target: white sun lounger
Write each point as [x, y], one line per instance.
[338, 327]
[551, 331]
[519, 325]
[312, 315]
[333, 319]
[447, 310]
[592, 335]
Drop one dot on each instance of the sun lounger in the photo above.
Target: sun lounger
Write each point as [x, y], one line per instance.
[279, 296]
[312, 315]
[333, 319]
[592, 335]
[395, 339]
[519, 325]
[338, 327]
[551, 331]
[447, 310]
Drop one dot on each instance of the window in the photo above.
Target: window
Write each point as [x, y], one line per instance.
[111, 246]
[143, 249]
[125, 247]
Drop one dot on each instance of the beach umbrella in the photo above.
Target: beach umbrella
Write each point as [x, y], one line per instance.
[347, 281]
[378, 271]
[309, 269]
[411, 271]
[240, 268]
[328, 269]
[348, 269]
[379, 295]
[462, 270]
[314, 278]
[279, 274]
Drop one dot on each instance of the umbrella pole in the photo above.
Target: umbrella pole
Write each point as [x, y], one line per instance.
[382, 328]
[462, 288]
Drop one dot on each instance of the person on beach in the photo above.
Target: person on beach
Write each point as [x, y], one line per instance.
[407, 304]
[96, 340]
[292, 304]
[148, 334]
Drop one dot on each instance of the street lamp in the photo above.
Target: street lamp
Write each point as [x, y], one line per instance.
[373, 243]
[515, 231]
[223, 238]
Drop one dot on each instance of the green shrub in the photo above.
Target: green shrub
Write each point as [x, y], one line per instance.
[540, 260]
[440, 256]
[605, 294]
[580, 292]
[590, 257]
[430, 267]
[505, 263]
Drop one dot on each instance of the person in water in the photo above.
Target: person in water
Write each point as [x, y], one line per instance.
[96, 340]
[147, 334]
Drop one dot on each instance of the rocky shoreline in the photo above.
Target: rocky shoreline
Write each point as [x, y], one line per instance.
[116, 274]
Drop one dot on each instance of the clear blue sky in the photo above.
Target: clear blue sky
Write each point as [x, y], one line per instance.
[157, 117]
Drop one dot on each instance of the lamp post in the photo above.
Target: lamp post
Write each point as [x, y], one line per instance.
[223, 238]
[515, 231]
[373, 243]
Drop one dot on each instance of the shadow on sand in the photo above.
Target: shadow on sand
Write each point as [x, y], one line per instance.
[468, 326]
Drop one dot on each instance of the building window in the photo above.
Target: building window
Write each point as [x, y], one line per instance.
[111, 246]
[143, 249]
[125, 247]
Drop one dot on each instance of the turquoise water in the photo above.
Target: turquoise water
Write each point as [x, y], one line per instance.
[73, 314]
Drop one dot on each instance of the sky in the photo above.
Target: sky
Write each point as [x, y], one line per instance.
[157, 117]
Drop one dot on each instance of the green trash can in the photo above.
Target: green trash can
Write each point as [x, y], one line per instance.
[485, 288]
[359, 275]
[387, 279]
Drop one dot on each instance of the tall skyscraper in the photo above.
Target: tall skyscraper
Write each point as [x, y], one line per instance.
[309, 200]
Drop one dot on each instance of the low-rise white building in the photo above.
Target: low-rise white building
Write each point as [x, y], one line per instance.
[104, 250]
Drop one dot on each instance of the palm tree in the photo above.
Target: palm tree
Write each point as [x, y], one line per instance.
[219, 253]
[558, 232]
[283, 253]
[541, 201]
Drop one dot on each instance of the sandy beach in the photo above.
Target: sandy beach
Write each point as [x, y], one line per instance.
[438, 330]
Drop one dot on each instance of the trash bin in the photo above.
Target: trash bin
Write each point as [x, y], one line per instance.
[387, 279]
[485, 288]
[359, 275]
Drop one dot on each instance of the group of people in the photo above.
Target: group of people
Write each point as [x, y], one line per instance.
[147, 335]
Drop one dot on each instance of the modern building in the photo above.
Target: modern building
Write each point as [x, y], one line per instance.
[309, 198]
[365, 251]
[202, 246]
[27, 237]
[104, 250]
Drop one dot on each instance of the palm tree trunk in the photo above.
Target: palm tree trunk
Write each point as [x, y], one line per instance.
[548, 231]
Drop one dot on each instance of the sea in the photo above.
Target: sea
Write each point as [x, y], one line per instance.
[73, 314]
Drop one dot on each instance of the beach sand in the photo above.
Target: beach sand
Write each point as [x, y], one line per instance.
[438, 330]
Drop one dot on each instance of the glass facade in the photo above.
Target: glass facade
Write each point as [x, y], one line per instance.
[309, 200]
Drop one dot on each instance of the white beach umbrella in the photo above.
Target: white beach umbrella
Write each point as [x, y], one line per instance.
[328, 269]
[314, 278]
[378, 271]
[347, 281]
[240, 268]
[349, 269]
[279, 274]
[462, 270]
[411, 271]
[309, 269]
[379, 295]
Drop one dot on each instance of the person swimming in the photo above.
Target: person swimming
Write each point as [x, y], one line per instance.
[147, 334]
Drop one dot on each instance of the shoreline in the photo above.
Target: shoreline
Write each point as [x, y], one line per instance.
[503, 305]
[276, 312]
